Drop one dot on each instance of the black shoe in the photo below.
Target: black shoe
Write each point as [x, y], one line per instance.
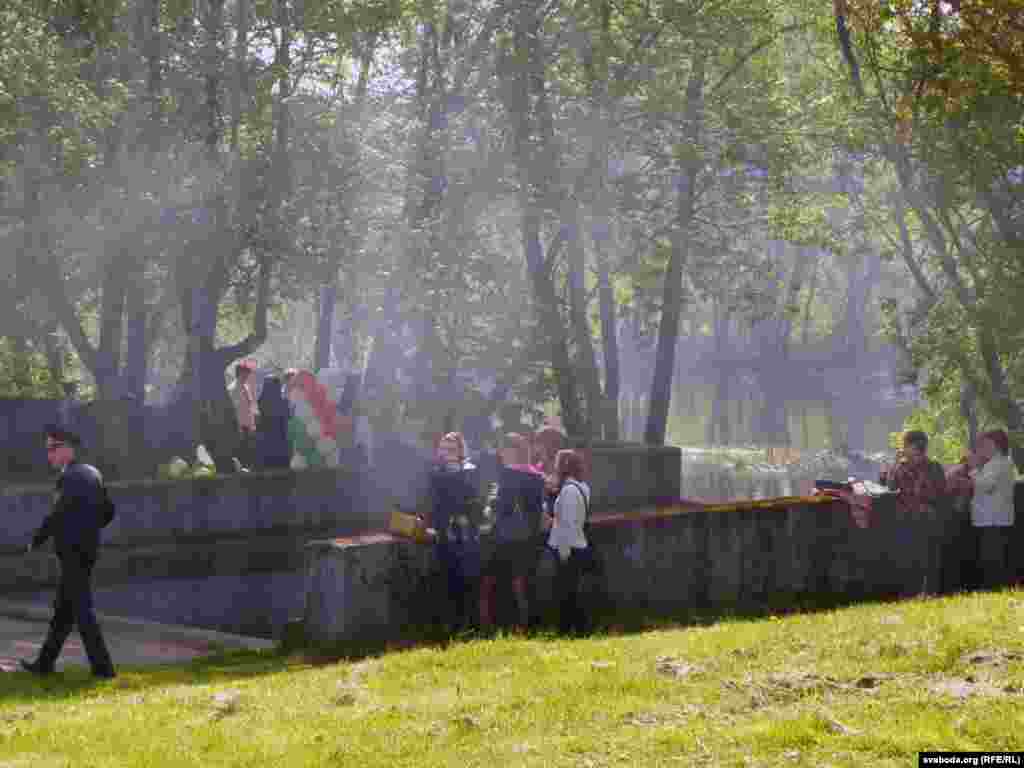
[105, 674]
[35, 668]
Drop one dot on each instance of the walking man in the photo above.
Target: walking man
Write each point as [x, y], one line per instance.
[79, 512]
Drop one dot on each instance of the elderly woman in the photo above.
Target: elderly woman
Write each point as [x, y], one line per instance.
[992, 476]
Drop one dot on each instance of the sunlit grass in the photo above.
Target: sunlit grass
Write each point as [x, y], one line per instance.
[872, 684]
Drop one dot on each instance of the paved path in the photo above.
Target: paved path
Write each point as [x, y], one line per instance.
[132, 642]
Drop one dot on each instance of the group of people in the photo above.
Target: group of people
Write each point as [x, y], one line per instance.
[539, 504]
[973, 500]
[263, 421]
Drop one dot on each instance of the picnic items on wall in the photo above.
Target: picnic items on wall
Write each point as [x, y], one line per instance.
[859, 495]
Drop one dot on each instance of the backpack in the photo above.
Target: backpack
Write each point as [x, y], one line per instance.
[515, 526]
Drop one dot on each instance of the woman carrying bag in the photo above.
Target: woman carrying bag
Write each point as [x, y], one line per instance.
[568, 539]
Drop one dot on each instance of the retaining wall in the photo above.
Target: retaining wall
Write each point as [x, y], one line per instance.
[664, 561]
[260, 522]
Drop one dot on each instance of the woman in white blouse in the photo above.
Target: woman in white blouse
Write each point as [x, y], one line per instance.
[993, 477]
[568, 540]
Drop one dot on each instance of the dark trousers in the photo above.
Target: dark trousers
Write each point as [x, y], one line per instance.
[461, 568]
[958, 547]
[992, 556]
[73, 606]
[247, 448]
[571, 615]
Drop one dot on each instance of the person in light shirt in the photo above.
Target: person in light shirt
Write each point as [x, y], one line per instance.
[243, 397]
[568, 539]
[992, 477]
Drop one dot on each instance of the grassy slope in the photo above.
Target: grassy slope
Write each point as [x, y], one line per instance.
[859, 686]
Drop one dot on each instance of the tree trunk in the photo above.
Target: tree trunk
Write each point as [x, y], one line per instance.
[523, 81]
[610, 341]
[1005, 406]
[801, 263]
[1002, 402]
[805, 327]
[969, 412]
[136, 358]
[325, 326]
[668, 329]
[239, 93]
[54, 356]
[586, 360]
[101, 362]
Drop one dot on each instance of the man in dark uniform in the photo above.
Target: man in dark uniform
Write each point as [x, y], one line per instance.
[79, 512]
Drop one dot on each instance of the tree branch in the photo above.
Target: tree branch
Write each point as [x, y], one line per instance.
[741, 62]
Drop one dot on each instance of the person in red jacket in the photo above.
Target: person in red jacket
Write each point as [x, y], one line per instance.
[922, 486]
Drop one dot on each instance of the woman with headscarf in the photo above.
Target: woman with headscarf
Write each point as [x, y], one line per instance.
[272, 430]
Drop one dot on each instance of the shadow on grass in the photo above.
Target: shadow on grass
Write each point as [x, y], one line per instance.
[231, 666]
[604, 623]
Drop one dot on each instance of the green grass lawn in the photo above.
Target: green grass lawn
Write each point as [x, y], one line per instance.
[868, 685]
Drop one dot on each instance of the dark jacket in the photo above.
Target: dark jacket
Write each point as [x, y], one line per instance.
[453, 491]
[519, 493]
[272, 426]
[77, 515]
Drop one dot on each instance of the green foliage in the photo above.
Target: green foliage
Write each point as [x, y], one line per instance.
[25, 373]
[946, 430]
[41, 83]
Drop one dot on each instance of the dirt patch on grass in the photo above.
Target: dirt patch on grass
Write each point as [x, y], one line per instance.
[781, 689]
[871, 681]
[16, 715]
[785, 688]
[986, 681]
[675, 668]
[964, 688]
[660, 717]
[744, 653]
[989, 657]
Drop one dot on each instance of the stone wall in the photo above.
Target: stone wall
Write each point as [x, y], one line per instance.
[663, 561]
[260, 522]
[627, 475]
[193, 528]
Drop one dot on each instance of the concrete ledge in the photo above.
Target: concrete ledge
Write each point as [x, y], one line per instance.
[627, 475]
[222, 505]
[664, 560]
[41, 614]
[186, 557]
